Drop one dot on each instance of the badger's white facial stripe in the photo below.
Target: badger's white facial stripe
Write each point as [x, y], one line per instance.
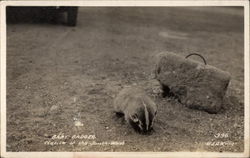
[146, 114]
[140, 125]
[153, 120]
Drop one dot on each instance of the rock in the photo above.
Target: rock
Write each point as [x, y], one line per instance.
[54, 108]
[195, 84]
[78, 123]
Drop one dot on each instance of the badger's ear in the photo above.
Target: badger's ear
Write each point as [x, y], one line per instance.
[134, 118]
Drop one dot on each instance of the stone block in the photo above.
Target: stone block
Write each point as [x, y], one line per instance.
[195, 84]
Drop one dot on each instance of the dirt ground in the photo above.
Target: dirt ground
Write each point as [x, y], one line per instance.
[62, 80]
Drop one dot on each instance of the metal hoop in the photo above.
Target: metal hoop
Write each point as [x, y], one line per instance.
[205, 62]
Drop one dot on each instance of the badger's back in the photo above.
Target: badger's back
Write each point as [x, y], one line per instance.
[132, 98]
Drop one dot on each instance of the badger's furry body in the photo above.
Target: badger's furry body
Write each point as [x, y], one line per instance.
[138, 108]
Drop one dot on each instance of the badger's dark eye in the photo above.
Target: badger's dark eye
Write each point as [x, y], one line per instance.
[135, 125]
[135, 118]
[155, 112]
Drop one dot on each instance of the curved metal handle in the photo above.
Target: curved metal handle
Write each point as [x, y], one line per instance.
[205, 62]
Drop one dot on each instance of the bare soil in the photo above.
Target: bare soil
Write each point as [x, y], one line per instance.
[63, 79]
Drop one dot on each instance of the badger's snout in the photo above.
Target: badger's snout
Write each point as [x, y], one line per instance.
[142, 121]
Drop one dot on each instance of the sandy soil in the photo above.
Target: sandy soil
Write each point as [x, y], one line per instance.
[63, 79]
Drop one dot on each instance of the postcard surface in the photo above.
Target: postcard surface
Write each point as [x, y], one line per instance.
[119, 78]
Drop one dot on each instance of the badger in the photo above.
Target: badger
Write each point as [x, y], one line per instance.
[138, 109]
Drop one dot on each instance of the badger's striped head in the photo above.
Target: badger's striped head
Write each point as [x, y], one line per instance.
[142, 120]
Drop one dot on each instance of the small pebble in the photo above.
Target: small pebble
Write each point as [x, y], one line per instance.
[53, 108]
[78, 124]
[74, 99]
[134, 84]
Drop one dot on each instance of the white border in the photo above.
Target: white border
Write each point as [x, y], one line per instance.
[3, 77]
[132, 4]
[246, 79]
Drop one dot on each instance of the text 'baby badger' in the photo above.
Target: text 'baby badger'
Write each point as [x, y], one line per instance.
[138, 109]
